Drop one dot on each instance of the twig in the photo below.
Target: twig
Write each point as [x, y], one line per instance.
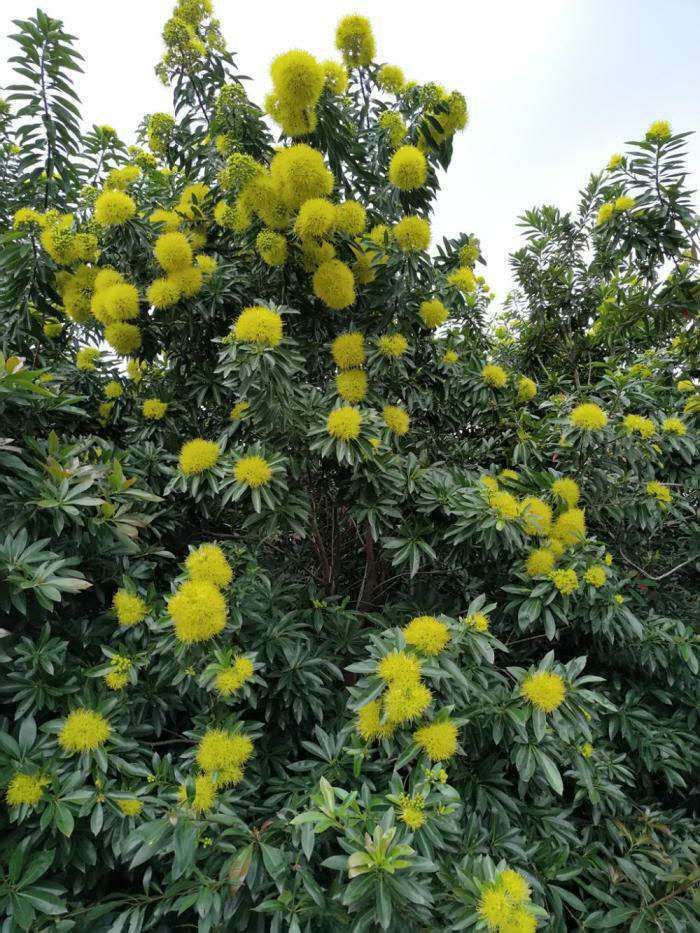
[648, 575]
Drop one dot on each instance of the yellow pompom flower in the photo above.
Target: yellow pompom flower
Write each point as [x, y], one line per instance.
[298, 79]
[408, 168]
[494, 376]
[412, 234]
[316, 219]
[624, 203]
[404, 702]
[438, 740]
[259, 325]
[154, 409]
[271, 247]
[350, 218]
[427, 634]
[659, 131]
[661, 493]
[113, 389]
[105, 410]
[198, 611]
[123, 338]
[130, 807]
[252, 471]
[673, 426]
[490, 482]
[83, 731]
[223, 752]
[239, 410]
[527, 389]
[605, 212]
[411, 813]
[129, 608]
[232, 678]
[615, 161]
[113, 208]
[540, 562]
[188, 281]
[336, 77]
[299, 173]
[26, 216]
[169, 220]
[567, 490]
[354, 39]
[537, 516]
[369, 724]
[25, 789]
[636, 424]
[463, 279]
[392, 346]
[398, 667]
[173, 251]
[344, 423]
[588, 417]
[685, 385]
[505, 505]
[207, 265]
[52, 329]
[566, 581]
[515, 886]
[85, 358]
[204, 794]
[570, 527]
[449, 358]
[208, 562]
[545, 690]
[596, 576]
[495, 907]
[396, 419]
[116, 680]
[433, 313]
[391, 78]
[394, 126]
[351, 385]
[348, 350]
[121, 301]
[163, 293]
[198, 455]
[334, 284]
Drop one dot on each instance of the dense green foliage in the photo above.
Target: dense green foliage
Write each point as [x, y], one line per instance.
[338, 822]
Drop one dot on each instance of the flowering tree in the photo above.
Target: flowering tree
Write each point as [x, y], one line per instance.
[326, 606]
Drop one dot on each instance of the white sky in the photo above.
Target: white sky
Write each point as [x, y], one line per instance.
[554, 86]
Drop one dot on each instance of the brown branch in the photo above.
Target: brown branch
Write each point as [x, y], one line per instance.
[650, 576]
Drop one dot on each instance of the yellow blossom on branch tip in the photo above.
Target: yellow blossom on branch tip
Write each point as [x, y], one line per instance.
[396, 419]
[412, 234]
[154, 409]
[596, 576]
[351, 385]
[408, 168]
[479, 621]
[208, 562]
[540, 562]
[661, 493]
[334, 285]
[131, 807]
[113, 208]
[504, 504]
[568, 490]
[129, 608]
[404, 702]
[438, 740]
[566, 581]
[344, 423]
[398, 667]
[198, 611]
[570, 527]
[494, 376]
[84, 730]
[369, 724]
[259, 325]
[427, 634]
[433, 313]
[25, 789]
[252, 471]
[198, 455]
[588, 417]
[392, 346]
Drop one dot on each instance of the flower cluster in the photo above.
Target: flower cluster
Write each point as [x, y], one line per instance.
[504, 904]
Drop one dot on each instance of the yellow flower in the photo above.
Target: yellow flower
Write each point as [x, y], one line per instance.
[198, 455]
[252, 471]
[223, 752]
[131, 807]
[412, 234]
[439, 740]
[568, 490]
[659, 131]
[52, 329]
[129, 608]
[205, 264]
[636, 424]
[344, 423]
[685, 385]
[605, 212]
[398, 668]
[390, 78]
[566, 581]
[105, 410]
[463, 279]
[537, 516]
[336, 77]
[661, 493]
[396, 419]
[272, 247]
[25, 789]
[351, 385]
[586, 749]
[479, 621]
[208, 562]
[540, 562]
[449, 358]
[495, 907]
[113, 208]
[624, 203]
[188, 281]
[316, 219]
[404, 702]
[83, 731]
[570, 527]
[527, 389]
[116, 680]
[494, 376]
[334, 284]
[123, 338]
[369, 725]
[259, 325]
[26, 216]
[163, 293]
[297, 78]
[239, 410]
[545, 690]
[408, 168]
[596, 576]
[154, 409]
[392, 346]
[350, 218]
[298, 173]
[427, 634]
[619, 598]
[588, 417]
[393, 124]
[354, 39]
[433, 313]
[615, 161]
[85, 358]
[505, 505]
[673, 426]
[489, 482]
[113, 389]
[412, 815]
[173, 251]
[198, 611]
[515, 886]
[204, 794]
[232, 678]
[122, 178]
[169, 220]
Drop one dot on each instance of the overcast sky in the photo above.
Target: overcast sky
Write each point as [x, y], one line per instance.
[554, 86]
